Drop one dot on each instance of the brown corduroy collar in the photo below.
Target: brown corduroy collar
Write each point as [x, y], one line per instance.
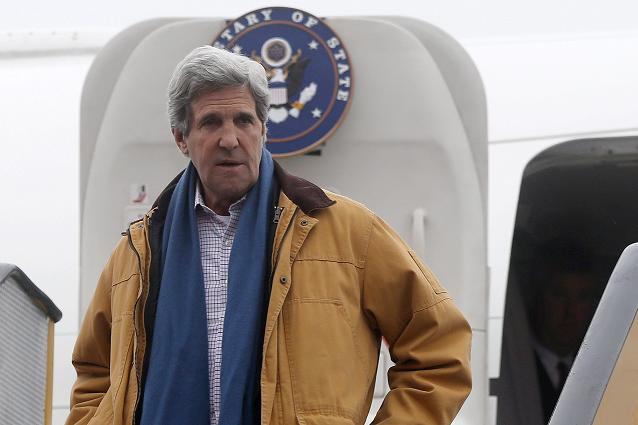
[308, 196]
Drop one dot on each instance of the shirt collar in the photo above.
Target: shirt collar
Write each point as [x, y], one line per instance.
[234, 208]
[550, 359]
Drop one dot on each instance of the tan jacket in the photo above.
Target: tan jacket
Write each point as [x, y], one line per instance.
[341, 279]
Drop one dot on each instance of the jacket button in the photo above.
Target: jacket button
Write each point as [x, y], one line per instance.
[283, 279]
[304, 222]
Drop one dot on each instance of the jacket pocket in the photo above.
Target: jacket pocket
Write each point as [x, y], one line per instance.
[327, 369]
[121, 350]
[124, 294]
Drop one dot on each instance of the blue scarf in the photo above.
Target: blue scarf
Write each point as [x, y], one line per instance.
[176, 389]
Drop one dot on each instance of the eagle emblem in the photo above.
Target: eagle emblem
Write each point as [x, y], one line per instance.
[308, 70]
[285, 72]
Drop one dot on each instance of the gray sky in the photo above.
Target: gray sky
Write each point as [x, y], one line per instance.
[461, 18]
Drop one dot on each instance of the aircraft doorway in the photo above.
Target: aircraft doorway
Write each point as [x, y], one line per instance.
[577, 211]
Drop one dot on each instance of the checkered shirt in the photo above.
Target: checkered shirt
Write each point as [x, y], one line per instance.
[216, 234]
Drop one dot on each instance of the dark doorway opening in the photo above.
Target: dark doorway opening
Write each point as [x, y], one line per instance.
[577, 211]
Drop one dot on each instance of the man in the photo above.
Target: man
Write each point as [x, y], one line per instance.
[250, 296]
[568, 293]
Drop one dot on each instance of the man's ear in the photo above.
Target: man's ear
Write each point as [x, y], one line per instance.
[178, 135]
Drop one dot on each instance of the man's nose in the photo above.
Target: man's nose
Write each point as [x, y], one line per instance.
[228, 138]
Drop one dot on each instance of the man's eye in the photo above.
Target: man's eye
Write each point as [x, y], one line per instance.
[209, 121]
[244, 119]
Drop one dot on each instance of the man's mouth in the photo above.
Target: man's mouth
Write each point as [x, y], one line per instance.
[229, 164]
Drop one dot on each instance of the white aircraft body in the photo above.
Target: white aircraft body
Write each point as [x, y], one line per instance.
[559, 160]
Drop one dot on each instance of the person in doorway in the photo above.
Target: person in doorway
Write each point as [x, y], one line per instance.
[251, 296]
[568, 292]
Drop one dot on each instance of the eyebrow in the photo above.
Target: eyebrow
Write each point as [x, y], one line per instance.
[244, 114]
[217, 115]
[208, 116]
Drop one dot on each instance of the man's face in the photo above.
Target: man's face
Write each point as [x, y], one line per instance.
[224, 144]
[566, 307]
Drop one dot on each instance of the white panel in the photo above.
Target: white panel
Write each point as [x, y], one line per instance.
[559, 85]
[492, 405]
[380, 384]
[473, 411]
[464, 84]
[494, 344]
[39, 174]
[98, 86]
[63, 371]
[376, 404]
[59, 416]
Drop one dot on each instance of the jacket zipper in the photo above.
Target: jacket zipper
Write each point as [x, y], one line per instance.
[137, 372]
[278, 214]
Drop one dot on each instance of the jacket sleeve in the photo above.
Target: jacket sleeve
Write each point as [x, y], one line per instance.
[91, 354]
[428, 337]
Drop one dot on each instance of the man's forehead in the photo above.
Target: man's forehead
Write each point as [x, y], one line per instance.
[235, 98]
[576, 280]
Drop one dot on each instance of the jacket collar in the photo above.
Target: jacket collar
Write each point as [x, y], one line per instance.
[308, 196]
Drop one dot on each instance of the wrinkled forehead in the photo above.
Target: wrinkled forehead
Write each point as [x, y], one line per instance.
[229, 97]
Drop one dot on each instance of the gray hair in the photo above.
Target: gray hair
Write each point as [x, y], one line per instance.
[206, 69]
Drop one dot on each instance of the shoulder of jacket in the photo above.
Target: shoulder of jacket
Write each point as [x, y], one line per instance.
[133, 240]
[123, 247]
[350, 206]
[141, 222]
